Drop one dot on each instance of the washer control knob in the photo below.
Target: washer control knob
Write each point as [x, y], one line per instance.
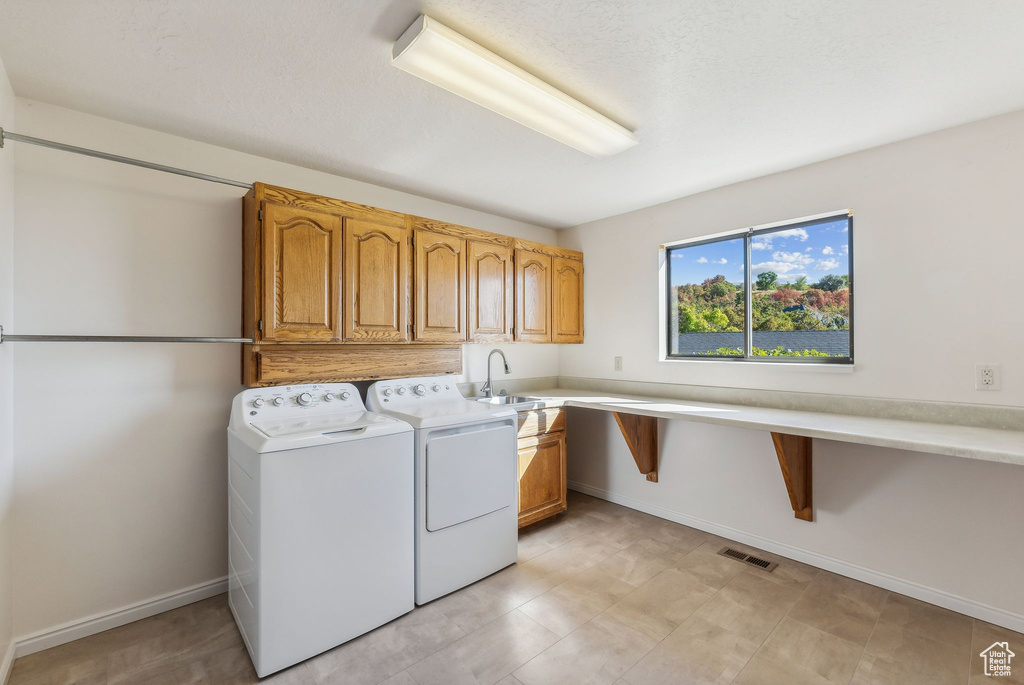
[346, 395]
[258, 402]
[387, 392]
[419, 389]
[329, 397]
[401, 390]
[278, 401]
[436, 388]
[305, 399]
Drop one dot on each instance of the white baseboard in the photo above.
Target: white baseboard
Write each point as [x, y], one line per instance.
[7, 664]
[969, 607]
[97, 623]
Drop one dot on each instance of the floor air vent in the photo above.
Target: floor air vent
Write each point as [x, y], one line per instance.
[763, 564]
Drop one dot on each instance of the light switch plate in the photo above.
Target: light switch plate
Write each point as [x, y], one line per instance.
[618, 363]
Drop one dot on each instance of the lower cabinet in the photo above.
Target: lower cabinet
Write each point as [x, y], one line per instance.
[542, 484]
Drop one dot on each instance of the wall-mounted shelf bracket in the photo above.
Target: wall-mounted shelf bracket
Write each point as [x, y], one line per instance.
[641, 434]
[794, 452]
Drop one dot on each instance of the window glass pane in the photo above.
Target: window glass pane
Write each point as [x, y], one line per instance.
[706, 289]
[801, 290]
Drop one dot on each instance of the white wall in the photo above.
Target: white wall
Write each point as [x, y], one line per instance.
[6, 369]
[938, 234]
[938, 242]
[125, 499]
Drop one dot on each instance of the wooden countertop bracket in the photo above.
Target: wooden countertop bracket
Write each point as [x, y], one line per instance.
[641, 434]
[794, 452]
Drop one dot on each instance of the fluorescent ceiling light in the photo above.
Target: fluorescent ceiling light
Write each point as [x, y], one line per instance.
[437, 54]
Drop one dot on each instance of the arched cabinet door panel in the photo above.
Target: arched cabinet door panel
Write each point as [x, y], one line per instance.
[439, 272]
[376, 282]
[566, 300]
[491, 292]
[533, 296]
[301, 274]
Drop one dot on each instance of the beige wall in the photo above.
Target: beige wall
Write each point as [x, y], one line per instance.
[938, 241]
[6, 367]
[127, 499]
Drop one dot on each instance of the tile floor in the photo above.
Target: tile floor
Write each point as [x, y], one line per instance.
[602, 594]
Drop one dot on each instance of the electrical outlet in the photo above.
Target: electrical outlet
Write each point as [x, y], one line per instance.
[986, 377]
[618, 363]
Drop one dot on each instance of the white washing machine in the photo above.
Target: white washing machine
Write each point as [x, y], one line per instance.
[320, 521]
[466, 481]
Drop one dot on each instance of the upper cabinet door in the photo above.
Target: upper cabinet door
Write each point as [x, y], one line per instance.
[301, 274]
[566, 300]
[440, 287]
[490, 291]
[533, 296]
[376, 281]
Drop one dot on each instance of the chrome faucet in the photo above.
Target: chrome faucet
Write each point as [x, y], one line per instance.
[486, 389]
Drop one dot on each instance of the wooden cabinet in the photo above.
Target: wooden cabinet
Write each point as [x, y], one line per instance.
[566, 300]
[490, 291]
[321, 276]
[301, 274]
[542, 479]
[533, 296]
[376, 281]
[439, 286]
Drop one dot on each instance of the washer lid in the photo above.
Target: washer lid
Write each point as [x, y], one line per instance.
[300, 426]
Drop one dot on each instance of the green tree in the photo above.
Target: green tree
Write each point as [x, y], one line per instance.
[767, 280]
[830, 282]
[800, 283]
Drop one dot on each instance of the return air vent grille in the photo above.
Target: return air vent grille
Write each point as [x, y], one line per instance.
[760, 563]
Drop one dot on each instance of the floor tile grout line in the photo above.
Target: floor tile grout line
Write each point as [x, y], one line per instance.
[777, 623]
[688, 617]
[864, 650]
[970, 650]
[515, 608]
[465, 634]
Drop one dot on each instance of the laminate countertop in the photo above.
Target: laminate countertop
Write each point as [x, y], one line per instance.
[968, 442]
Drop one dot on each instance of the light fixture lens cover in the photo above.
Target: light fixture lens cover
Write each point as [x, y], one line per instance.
[435, 53]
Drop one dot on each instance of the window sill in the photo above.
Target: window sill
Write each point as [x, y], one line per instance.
[803, 366]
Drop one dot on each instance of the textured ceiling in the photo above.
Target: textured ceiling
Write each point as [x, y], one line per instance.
[717, 91]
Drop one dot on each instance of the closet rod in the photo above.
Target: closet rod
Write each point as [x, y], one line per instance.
[7, 135]
[117, 338]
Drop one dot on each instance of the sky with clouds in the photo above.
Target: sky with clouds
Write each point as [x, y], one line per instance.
[811, 251]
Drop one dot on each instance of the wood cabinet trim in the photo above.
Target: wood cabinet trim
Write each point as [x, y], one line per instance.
[549, 250]
[330, 205]
[265, 365]
[464, 232]
[541, 422]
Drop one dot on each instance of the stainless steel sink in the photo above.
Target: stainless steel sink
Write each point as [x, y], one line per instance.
[508, 399]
